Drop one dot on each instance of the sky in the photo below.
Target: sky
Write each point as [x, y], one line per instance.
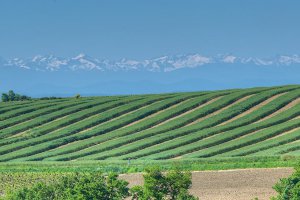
[142, 29]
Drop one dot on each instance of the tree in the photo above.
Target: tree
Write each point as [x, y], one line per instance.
[172, 186]
[79, 186]
[17, 97]
[5, 97]
[23, 98]
[77, 96]
[288, 188]
[11, 95]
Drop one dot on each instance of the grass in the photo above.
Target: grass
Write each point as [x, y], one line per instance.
[122, 166]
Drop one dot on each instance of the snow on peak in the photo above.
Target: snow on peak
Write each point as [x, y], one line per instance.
[287, 60]
[79, 56]
[165, 63]
[229, 59]
[191, 61]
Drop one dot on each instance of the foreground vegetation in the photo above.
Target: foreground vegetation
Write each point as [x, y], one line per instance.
[288, 188]
[173, 185]
[23, 174]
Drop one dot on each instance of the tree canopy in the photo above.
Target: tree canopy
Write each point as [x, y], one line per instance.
[12, 96]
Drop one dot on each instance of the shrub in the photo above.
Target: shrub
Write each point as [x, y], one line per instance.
[81, 186]
[49, 98]
[288, 188]
[172, 186]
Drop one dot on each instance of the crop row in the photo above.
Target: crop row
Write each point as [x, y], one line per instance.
[249, 139]
[146, 134]
[41, 120]
[36, 113]
[285, 138]
[281, 149]
[22, 110]
[135, 128]
[48, 130]
[219, 135]
[182, 140]
[65, 136]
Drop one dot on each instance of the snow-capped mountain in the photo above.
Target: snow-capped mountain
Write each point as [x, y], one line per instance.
[160, 64]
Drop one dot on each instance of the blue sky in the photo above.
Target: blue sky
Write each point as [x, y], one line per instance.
[143, 29]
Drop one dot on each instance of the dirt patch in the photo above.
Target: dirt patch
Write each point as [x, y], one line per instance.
[241, 184]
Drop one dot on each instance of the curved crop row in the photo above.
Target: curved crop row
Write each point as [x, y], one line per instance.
[38, 112]
[161, 130]
[136, 128]
[41, 120]
[284, 138]
[26, 109]
[227, 124]
[189, 139]
[250, 139]
[54, 129]
[67, 137]
[218, 135]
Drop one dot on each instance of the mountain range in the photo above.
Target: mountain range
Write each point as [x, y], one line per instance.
[160, 64]
[83, 74]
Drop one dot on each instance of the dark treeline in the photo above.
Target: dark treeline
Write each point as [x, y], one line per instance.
[12, 96]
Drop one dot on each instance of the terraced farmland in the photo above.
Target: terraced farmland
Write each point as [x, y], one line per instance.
[240, 123]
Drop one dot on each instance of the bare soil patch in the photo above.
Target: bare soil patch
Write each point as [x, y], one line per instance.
[240, 184]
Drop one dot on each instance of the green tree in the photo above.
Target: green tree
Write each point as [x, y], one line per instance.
[178, 183]
[11, 95]
[23, 98]
[81, 186]
[288, 188]
[17, 97]
[173, 185]
[5, 97]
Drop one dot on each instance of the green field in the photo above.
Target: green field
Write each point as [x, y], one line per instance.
[257, 127]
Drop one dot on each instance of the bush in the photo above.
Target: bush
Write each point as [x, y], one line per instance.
[172, 186]
[49, 98]
[74, 187]
[86, 186]
[288, 188]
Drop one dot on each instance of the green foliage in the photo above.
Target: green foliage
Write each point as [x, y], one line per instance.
[158, 186]
[12, 96]
[49, 98]
[5, 97]
[77, 96]
[173, 185]
[288, 188]
[83, 186]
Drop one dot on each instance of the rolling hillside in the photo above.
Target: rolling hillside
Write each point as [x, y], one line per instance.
[217, 124]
